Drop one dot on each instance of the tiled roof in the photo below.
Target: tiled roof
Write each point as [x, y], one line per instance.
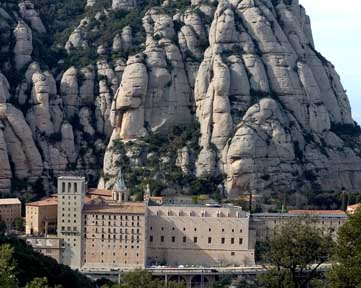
[9, 201]
[126, 207]
[156, 197]
[47, 201]
[355, 206]
[317, 212]
[100, 192]
[52, 200]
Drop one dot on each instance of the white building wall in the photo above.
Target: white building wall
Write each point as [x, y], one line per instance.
[199, 236]
[71, 191]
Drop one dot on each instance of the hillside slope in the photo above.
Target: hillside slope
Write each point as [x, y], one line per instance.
[79, 77]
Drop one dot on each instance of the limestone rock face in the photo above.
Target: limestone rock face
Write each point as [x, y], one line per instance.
[91, 3]
[124, 4]
[40, 99]
[70, 91]
[5, 170]
[272, 112]
[261, 102]
[4, 89]
[77, 38]
[20, 144]
[28, 12]
[24, 46]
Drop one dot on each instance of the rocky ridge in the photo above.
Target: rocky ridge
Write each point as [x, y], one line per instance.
[272, 112]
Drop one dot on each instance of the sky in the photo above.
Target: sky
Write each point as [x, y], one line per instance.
[336, 27]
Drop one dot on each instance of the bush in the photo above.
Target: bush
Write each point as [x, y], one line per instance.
[31, 264]
[55, 137]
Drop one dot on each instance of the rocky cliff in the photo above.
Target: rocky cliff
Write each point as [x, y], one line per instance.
[269, 113]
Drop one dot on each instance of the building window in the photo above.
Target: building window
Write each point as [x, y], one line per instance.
[69, 187]
[173, 239]
[151, 238]
[63, 187]
[209, 229]
[161, 238]
[209, 240]
[195, 239]
[232, 240]
[240, 241]
[223, 240]
[232, 253]
[184, 239]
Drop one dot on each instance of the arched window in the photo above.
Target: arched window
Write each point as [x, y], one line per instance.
[69, 187]
[75, 187]
[63, 187]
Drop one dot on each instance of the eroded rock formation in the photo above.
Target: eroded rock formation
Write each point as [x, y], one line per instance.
[272, 112]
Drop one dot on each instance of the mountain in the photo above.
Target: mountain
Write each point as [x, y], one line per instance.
[226, 97]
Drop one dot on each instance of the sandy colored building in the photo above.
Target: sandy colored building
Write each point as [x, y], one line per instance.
[352, 208]
[71, 192]
[198, 235]
[263, 224]
[10, 210]
[41, 216]
[114, 235]
[49, 246]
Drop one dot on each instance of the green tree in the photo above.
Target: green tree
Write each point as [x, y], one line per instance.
[296, 251]
[19, 224]
[7, 267]
[38, 283]
[3, 228]
[346, 273]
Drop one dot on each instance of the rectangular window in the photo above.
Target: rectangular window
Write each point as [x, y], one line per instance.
[223, 240]
[195, 239]
[209, 240]
[173, 239]
[161, 238]
[184, 239]
[232, 240]
[150, 238]
[240, 241]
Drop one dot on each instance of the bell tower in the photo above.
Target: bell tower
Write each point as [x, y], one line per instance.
[120, 191]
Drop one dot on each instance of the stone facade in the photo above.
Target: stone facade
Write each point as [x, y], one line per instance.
[10, 210]
[199, 235]
[114, 235]
[103, 231]
[71, 191]
[264, 223]
[41, 216]
[48, 246]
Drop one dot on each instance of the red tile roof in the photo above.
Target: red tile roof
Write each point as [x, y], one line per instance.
[100, 192]
[47, 201]
[355, 206]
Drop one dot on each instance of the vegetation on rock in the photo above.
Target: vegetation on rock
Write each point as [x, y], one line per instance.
[157, 171]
